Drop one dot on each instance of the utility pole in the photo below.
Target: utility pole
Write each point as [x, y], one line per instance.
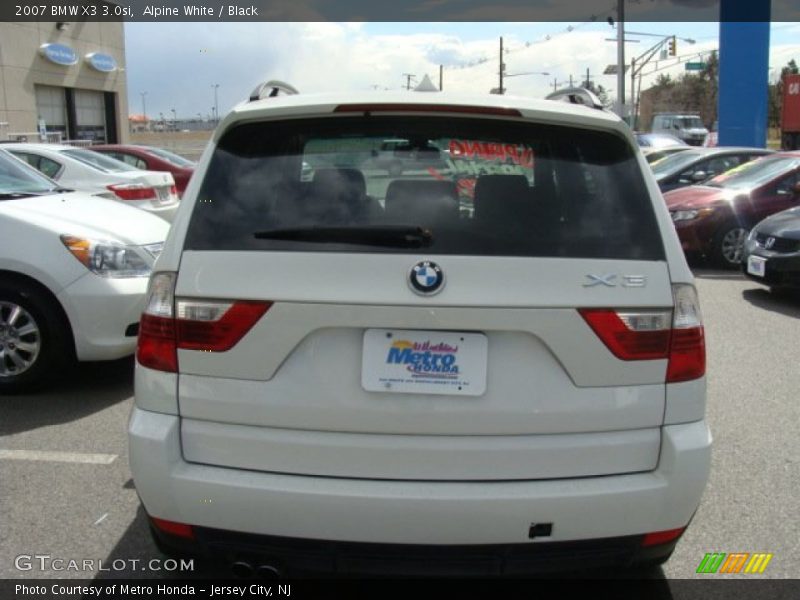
[570, 81]
[441, 77]
[144, 106]
[409, 77]
[555, 84]
[502, 67]
[621, 57]
[588, 83]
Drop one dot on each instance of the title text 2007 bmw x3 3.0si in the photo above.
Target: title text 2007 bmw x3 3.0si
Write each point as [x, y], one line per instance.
[490, 364]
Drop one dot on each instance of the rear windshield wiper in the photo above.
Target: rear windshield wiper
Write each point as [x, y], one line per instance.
[382, 235]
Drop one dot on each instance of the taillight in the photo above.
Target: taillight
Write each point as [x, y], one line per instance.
[687, 356]
[157, 345]
[676, 335]
[212, 326]
[632, 335]
[173, 190]
[132, 191]
[168, 324]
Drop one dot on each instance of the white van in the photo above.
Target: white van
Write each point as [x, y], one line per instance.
[488, 367]
[687, 127]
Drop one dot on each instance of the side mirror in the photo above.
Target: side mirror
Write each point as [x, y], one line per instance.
[699, 176]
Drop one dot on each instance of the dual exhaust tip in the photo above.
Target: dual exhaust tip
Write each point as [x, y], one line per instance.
[245, 570]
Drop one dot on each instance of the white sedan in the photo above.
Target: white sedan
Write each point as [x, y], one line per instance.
[73, 275]
[100, 175]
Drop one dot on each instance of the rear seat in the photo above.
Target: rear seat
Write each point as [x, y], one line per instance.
[422, 202]
[508, 204]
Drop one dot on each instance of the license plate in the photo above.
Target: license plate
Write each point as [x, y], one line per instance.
[424, 362]
[756, 266]
[163, 194]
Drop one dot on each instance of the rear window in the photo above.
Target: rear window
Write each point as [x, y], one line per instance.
[464, 186]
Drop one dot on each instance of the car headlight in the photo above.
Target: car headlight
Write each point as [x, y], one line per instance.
[689, 215]
[106, 258]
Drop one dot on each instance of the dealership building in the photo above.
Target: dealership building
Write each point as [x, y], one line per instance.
[63, 81]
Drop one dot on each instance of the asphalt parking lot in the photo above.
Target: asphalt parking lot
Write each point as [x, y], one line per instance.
[66, 490]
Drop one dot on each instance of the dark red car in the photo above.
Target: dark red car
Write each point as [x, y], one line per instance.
[714, 219]
[152, 159]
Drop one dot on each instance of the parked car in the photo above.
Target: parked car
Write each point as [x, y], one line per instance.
[103, 176]
[73, 276]
[658, 140]
[701, 164]
[401, 155]
[772, 250]
[355, 366]
[715, 219]
[687, 127]
[150, 158]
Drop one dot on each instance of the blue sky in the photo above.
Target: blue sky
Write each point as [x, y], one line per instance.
[178, 63]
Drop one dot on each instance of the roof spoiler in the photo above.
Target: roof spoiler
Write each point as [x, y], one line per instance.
[271, 89]
[577, 95]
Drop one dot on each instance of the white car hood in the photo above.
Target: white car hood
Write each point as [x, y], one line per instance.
[83, 215]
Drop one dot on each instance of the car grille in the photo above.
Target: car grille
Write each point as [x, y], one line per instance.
[783, 245]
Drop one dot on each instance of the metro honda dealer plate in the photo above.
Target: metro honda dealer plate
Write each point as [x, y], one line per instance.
[424, 362]
[755, 265]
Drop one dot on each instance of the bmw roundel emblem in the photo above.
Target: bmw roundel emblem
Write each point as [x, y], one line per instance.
[426, 278]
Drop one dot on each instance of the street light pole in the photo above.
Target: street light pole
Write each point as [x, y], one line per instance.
[502, 67]
[144, 105]
[216, 104]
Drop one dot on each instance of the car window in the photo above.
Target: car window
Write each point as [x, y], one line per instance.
[493, 188]
[787, 184]
[130, 159]
[97, 161]
[15, 176]
[170, 157]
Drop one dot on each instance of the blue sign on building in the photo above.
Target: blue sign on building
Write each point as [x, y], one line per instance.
[104, 63]
[59, 54]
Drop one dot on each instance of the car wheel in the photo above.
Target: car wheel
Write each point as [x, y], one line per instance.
[34, 343]
[728, 247]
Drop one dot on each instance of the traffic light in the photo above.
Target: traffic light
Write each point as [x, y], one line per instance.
[673, 46]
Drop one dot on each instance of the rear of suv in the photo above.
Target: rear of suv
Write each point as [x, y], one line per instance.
[490, 366]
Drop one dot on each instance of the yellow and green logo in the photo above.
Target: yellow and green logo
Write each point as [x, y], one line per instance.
[735, 562]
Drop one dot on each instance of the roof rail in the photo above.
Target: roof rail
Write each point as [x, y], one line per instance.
[577, 95]
[271, 89]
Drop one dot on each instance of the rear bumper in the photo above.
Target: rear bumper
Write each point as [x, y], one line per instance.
[297, 557]
[416, 512]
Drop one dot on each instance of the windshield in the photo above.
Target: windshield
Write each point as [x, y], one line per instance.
[470, 187]
[18, 177]
[675, 162]
[170, 157]
[690, 122]
[98, 161]
[756, 173]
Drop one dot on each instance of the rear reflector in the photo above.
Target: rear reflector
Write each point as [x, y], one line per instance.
[661, 537]
[676, 335]
[173, 528]
[168, 324]
[428, 108]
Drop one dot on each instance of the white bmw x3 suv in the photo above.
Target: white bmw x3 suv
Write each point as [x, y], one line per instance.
[490, 365]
